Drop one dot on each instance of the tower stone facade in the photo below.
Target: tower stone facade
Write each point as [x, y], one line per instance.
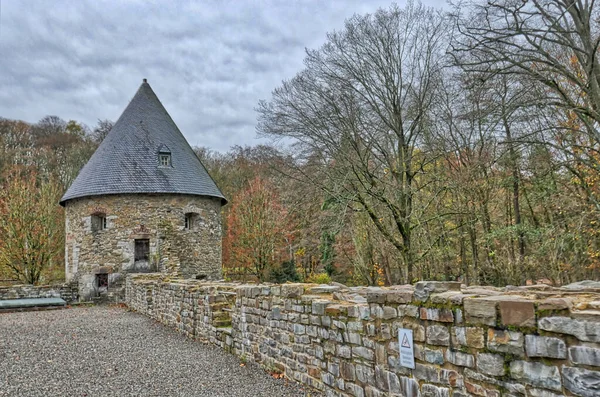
[143, 203]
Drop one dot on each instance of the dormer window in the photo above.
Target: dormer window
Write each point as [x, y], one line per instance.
[164, 156]
[165, 159]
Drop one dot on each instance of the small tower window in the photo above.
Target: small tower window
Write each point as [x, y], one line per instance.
[190, 220]
[165, 159]
[142, 249]
[98, 222]
[102, 281]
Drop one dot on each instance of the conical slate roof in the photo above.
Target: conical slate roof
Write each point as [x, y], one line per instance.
[127, 161]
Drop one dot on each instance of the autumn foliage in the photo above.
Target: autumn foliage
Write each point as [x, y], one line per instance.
[32, 228]
[465, 147]
[256, 231]
[37, 164]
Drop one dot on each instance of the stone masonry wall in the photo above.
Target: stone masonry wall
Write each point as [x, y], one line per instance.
[160, 219]
[488, 342]
[68, 292]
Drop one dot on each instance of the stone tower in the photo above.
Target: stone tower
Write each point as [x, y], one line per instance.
[143, 203]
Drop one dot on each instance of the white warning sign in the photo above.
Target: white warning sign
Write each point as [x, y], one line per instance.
[407, 353]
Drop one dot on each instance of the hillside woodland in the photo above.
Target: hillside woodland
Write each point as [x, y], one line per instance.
[416, 143]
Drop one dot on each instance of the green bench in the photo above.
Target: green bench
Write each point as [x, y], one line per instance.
[31, 304]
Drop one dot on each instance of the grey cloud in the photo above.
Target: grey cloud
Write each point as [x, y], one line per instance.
[209, 62]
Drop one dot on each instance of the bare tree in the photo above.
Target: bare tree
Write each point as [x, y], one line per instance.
[553, 42]
[101, 130]
[360, 113]
[552, 46]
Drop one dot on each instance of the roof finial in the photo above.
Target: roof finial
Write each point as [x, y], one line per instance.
[145, 80]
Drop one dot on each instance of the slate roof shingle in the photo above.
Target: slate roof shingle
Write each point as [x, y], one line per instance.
[127, 160]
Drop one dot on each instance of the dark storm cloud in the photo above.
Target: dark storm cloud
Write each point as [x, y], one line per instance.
[209, 62]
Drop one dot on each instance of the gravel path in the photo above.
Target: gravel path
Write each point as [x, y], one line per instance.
[100, 350]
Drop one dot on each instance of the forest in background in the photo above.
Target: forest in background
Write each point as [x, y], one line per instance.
[415, 144]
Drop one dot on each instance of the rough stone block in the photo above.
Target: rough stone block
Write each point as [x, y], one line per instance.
[418, 330]
[431, 356]
[299, 329]
[519, 313]
[336, 310]
[544, 346]
[433, 314]
[352, 338]
[459, 393]
[510, 387]
[434, 391]
[364, 312]
[408, 311]
[458, 316]
[386, 331]
[480, 311]
[344, 351]
[582, 382]
[468, 336]
[353, 311]
[554, 304]
[586, 331]
[355, 390]
[585, 355]
[371, 391]
[354, 326]
[490, 364]
[389, 313]
[347, 371]
[314, 372]
[588, 315]
[451, 378]
[453, 297]
[425, 288]
[399, 296]
[438, 335]
[427, 373]
[381, 379]
[292, 290]
[327, 378]
[380, 354]
[376, 295]
[475, 389]
[365, 374]
[386, 380]
[409, 387]
[363, 352]
[510, 342]
[333, 368]
[318, 307]
[459, 358]
[536, 374]
[543, 393]
[324, 289]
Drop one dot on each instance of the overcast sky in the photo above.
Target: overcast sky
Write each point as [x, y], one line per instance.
[208, 62]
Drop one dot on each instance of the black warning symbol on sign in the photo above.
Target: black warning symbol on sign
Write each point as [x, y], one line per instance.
[405, 342]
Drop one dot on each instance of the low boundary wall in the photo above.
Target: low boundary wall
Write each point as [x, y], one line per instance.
[489, 342]
[68, 292]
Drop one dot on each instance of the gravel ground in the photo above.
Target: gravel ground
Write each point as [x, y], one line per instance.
[100, 350]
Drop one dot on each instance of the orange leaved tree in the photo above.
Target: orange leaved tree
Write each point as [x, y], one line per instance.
[255, 230]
